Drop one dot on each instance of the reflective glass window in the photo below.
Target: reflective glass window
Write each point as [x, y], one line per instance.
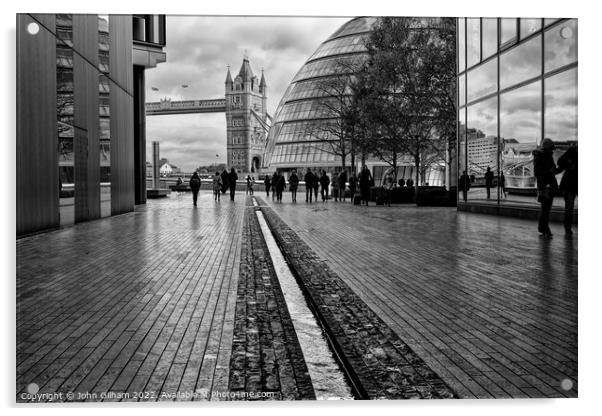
[520, 63]
[507, 32]
[548, 22]
[561, 106]
[529, 26]
[520, 128]
[482, 144]
[473, 41]
[462, 90]
[482, 80]
[560, 45]
[461, 45]
[489, 37]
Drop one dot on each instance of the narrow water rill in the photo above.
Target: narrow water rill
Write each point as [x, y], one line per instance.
[327, 378]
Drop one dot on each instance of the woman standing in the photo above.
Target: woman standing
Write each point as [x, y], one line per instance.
[217, 186]
[366, 182]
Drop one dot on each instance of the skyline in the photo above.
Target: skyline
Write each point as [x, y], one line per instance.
[199, 59]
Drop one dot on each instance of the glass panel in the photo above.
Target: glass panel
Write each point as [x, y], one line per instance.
[461, 148]
[560, 45]
[104, 116]
[482, 145]
[473, 42]
[482, 80]
[521, 63]
[520, 127]
[489, 37]
[529, 26]
[462, 90]
[507, 32]
[461, 45]
[64, 112]
[548, 22]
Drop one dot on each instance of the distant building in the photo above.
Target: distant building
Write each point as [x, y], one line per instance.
[167, 169]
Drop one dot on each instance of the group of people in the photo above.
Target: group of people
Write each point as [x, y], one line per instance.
[220, 184]
[277, 184]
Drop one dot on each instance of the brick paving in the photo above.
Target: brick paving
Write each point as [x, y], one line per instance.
[140, 302]
[380, 365]
[483, 300]
[266, 355]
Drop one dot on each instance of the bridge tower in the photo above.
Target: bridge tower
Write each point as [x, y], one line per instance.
[246, 112]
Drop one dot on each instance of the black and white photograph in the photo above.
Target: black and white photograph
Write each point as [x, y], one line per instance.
[246, 207]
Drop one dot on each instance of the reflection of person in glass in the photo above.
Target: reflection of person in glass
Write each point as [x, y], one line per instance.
[464, 185]
[568, 185]
[545, 174]
[502, 184]
[488, 181]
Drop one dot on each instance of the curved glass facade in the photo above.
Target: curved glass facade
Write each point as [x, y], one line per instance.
[517, 81]
[292, 140]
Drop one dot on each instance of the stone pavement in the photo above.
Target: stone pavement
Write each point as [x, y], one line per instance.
[489, 305]
[141, 302]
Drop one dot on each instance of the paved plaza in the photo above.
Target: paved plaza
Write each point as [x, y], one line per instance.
[153, 301]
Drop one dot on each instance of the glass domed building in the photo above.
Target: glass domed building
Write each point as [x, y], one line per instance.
[292, 140]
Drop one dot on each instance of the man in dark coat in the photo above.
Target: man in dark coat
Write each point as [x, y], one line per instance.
[464, 185]
[545, 174]
[366, 182]
[293, 183]
[309, 185]
[268, 184]
[342, 184]
[280, 185]
[567, 163]
[232, 178]
[195, 185]
[488, 181]
[225, 181]
[324, 182]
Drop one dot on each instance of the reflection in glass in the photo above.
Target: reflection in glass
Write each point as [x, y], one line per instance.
[548, 22]
[520, 128]
[104, 113]
[462, 140]
[507, 32]
[64, 112]
[482, 80]
[482, 144]
[461, 45]
[529, 26]
[521, 63]
[473, 41]
[560, 45]
[561, 106]
[489, 37]
[462, 90]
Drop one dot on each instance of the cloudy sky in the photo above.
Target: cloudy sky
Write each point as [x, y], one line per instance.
[198, 52]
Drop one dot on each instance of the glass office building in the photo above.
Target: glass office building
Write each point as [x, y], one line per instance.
[517, 84]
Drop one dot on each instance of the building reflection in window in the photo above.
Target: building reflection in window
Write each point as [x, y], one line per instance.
[482, 146]
[560, 45]
[520, 63]
[520, 129]
[104, 115]
[64, 112]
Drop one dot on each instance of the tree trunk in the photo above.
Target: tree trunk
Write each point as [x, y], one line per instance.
[395, 166]
[417, 164]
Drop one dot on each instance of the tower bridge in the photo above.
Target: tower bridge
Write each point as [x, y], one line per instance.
[247, 119]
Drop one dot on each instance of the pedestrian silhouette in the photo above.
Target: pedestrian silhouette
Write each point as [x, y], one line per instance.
[309, 185]
[195, 185]
[545, 175]
[232, 178]
[567, 163]
[217, 186]
[293, 183]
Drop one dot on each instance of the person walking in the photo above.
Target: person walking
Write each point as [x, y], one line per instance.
[545, 175]
[353, 186]
[274, 182]
[488, 181]
[324, 182]
[502, 184]
[366, 182]
[464, 185]
[335, 185]
[225, 181]
[195, 185]
[293, 184]
[250, 183]
[268, 184]
[388, 184]
[309, 185]
[342, 185]
[567, 163]
[217, 186]
[232, 178]
[280, 185]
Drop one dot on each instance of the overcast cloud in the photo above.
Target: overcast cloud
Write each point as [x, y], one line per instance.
[198, 52]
